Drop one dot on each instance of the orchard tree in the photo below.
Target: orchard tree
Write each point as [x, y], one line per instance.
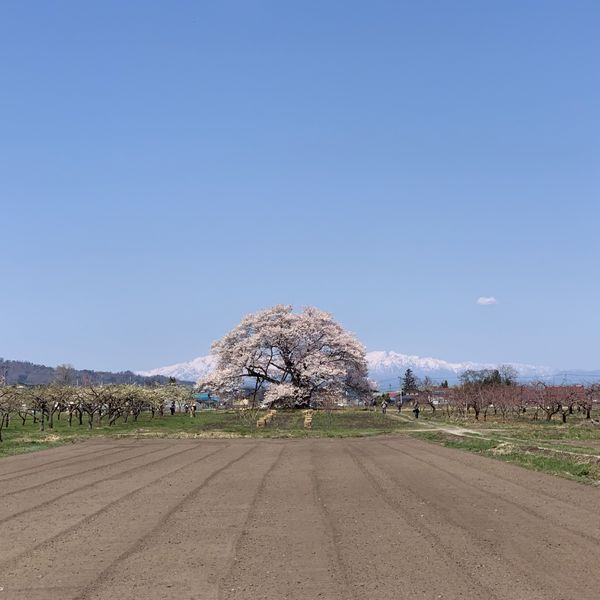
[587, 400]
[428, 389]
[295, 359]
[58, 397]
[546, 398]
[8, 405]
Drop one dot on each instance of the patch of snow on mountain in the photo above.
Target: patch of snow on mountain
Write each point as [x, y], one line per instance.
[390, 364]
[186, 371]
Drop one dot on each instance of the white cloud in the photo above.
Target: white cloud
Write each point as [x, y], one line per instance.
[486, 300]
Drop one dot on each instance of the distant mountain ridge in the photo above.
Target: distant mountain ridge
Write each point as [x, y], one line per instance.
[385, 367]
[27, 373]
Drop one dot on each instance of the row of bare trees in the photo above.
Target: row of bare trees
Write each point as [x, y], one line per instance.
[540, 400]
[44, 404]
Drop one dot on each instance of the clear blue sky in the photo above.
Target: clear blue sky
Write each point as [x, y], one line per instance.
[166, 167]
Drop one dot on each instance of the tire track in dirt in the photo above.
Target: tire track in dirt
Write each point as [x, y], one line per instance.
[450, 552]
[70, 450]
[89, 486]
[284, 549]
[42, 468]
[332, 531]
[498, 497]
[454, 510]
[251, 515]
[88, 590]
[378, 544]
[12, 561]
[83, 472]
[196, 543]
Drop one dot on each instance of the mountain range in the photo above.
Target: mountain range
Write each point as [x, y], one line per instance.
[386, 367]
[28, 373]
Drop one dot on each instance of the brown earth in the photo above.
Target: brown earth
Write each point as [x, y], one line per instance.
[387, 517]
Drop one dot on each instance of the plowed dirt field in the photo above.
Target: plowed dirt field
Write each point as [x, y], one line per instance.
[378, 518]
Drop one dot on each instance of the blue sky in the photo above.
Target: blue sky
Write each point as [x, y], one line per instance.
[167, 167]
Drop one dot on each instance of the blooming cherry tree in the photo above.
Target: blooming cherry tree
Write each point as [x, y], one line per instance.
[295, 359]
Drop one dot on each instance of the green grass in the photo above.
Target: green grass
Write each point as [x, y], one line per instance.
[473, 444]
[576, 428]
[583, 471]
[22, 446]
[221, 423]
[559, 460]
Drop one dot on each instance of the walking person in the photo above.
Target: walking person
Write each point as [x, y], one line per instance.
[416, 411]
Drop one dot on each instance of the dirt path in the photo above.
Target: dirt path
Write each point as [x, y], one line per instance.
[385, 518]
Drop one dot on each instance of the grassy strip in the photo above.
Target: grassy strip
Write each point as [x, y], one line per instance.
[24, 445]
[584, 469]
[524, 427]
[222, 423]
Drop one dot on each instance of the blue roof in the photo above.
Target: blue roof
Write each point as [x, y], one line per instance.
[206, 397]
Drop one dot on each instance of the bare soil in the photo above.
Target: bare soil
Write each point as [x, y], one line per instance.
[379, 518]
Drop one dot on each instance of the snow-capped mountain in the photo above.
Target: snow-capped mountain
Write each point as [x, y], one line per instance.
[385, 367]
[186, 371]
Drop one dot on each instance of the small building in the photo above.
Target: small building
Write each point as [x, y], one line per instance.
[206, 400]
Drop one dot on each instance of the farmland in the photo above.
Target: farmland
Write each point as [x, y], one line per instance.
[360, 505]
[378, 517]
